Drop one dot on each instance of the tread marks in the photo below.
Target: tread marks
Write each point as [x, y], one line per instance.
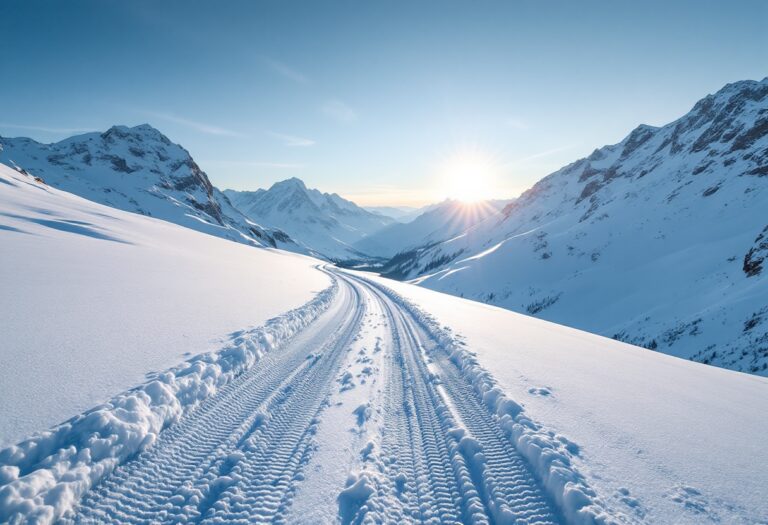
[273, 459]
[495, 482]
[196, 461]
[239, 456]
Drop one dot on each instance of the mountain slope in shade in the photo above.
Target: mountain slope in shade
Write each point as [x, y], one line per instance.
[325, 223]
[660, 240]
[140, 170]
[439, 222]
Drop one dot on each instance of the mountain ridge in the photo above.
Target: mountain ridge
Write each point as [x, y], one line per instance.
[658, 240]
[139, 169]
[325, 223]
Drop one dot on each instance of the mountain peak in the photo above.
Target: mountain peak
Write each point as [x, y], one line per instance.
[742, 85]
[293, 182]
[325, 222]
[140, 132]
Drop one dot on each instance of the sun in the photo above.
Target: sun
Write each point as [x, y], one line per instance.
[468, 176]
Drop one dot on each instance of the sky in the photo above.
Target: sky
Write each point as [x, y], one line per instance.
[386, 103]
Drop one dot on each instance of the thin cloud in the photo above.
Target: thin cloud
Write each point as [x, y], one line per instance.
[45, 129]
[254, 164]
[202, 127]
[291, 140]
[285, 70]
[540, 155]
[339, 111]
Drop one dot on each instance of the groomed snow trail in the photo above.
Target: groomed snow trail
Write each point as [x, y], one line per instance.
[437, 455]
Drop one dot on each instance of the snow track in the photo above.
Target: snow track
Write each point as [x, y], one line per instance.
[437, 453]
[236, 456]
[460, 465]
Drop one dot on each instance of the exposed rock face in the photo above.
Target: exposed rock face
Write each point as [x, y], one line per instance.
[753, 260]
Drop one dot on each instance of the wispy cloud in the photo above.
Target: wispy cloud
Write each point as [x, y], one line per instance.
[202, 127]
[285, 70]
[339, 111]
[45, 129]
[291, 140]
[547, 153]
[253, 164]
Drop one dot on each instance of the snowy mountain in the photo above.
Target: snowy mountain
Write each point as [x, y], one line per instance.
[439, 222]
[325, 223]
[660, 240]
[140, 170]
[398, 213]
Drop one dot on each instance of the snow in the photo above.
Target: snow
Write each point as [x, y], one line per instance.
[95, 298]
[45, 475]
[347, 432]
[658, 438]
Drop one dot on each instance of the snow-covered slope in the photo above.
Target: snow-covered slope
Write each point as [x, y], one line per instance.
[94, 298]
[659, 240]
[437, 223]
[139, 170]
[323, 222]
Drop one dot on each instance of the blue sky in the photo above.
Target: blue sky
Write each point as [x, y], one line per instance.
[371, 99]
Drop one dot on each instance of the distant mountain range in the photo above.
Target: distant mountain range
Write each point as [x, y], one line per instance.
[139, 170]
[437, 223]
[399, 213]
[660, 240]
[326, 224]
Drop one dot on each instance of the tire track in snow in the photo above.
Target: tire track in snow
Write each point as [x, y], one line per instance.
[460, 465]
[416, 451]
[194, 462]
[274, 457]
[239, 457]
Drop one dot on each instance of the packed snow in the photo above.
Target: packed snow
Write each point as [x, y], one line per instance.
[95, 298]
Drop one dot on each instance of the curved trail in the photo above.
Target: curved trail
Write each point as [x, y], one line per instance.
[240, 457]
